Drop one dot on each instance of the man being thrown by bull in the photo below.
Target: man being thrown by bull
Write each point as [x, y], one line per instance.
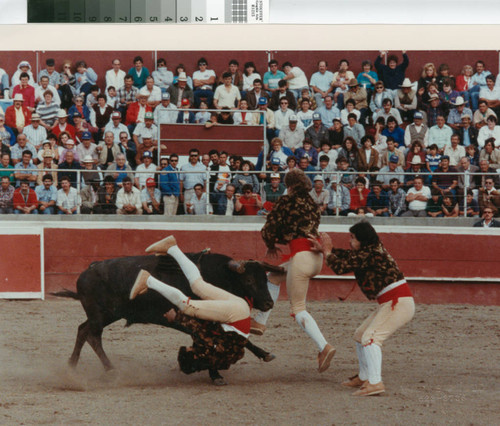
[219, 341]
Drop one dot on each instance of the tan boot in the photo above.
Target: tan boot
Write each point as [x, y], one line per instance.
[257, 328]
[325, 357]
[368, 389]
[354, 382]
[140, 286]
[162, 246]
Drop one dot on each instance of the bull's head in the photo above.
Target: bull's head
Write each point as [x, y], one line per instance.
[254, 281]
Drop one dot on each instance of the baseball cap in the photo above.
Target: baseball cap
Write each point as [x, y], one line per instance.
[393, 158]
[86, 135]
[275, 176]
[418, 114]
[262, 100]
[70, 142]
[275, 160]
[318, 177]
[149, 116]
[293, 118]
[185, 101]
[165, 96]
[150, 181]
[147, 154]
[316, 116]
[116, 114]
[76, 114]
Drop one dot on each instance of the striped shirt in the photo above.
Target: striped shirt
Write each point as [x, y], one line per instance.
[48, 113]
[35, 136]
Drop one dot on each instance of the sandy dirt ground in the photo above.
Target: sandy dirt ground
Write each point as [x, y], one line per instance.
[443, 368]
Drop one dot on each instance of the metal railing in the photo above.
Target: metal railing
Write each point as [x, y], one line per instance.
[209, 173]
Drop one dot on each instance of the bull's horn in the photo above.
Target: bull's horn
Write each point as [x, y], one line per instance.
[236, 266]
[272, 268]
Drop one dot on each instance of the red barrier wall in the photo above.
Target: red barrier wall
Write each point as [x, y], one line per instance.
[238, 140]
[21, 269]
[70, 251]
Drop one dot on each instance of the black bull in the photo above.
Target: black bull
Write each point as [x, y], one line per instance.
[104, 287]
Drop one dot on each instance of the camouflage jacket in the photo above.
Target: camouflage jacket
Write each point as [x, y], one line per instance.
[291, 217]
[373, 267]
[212, 346]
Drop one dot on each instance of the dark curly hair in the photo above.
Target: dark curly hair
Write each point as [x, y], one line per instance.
[365, 233]
[298, 182]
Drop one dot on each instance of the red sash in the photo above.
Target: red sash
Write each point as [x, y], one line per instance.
[297, 245]
[242, 325]
[402, 290]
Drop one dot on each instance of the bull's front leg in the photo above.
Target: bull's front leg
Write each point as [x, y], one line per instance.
[259, 352]
[217, 379]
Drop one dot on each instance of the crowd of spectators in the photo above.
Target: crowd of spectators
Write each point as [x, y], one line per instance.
[374, 143]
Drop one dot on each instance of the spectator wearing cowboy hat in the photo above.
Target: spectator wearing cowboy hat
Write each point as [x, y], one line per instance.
[35, 133]
[467, 132]
[137, 110]
[17, 116]
[455, 115]
[47, 163]
[417, 167]
[360, 97]
[62, 125]
[180, 90]
[406, 100]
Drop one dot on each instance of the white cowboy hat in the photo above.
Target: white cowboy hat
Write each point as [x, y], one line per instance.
[459, 101]
[406, 83]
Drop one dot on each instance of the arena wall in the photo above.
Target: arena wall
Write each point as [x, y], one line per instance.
[443, 265]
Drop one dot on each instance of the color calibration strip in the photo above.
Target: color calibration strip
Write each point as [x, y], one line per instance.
[149, 11]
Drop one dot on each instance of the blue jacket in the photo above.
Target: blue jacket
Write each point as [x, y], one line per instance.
[169, 182]
[220, 204]
[72, 110]
[180, 117]
[312, 154]
[377, 203]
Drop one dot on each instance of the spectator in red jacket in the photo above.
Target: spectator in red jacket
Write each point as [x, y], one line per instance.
[359, 194]
[17, 122]
[248, 203]
[137, 110]
[26, 90]
[25, 200]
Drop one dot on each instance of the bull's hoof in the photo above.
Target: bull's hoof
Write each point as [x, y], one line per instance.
[219, 381]
[269, 358]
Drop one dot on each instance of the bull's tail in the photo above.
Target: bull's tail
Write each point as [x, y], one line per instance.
[66, 293]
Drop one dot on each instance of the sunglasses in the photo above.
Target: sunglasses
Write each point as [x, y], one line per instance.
[174, 161]
[193, 155]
